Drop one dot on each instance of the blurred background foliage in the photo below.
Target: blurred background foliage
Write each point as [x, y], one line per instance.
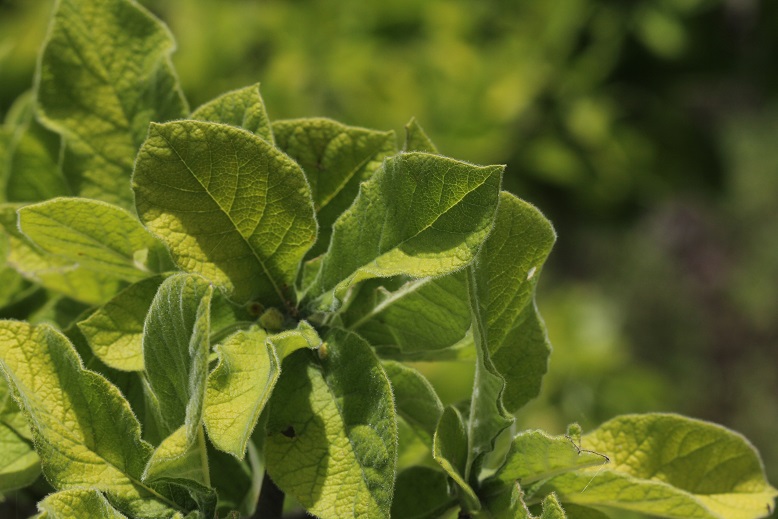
[645, 129]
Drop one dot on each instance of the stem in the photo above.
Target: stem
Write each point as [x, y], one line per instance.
[271, 501]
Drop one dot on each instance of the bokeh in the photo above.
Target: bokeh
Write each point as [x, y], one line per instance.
[646, 130]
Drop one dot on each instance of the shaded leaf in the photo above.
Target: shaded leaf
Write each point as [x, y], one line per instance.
[450, 450]
[414, 397]
[421, 493]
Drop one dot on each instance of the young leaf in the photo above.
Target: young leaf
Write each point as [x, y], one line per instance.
[229, 206]
[420, 215]
[535, 455]
[79, 502]
[175, 353]
[450, 449]
[671, 466]
[336, 159]
[507, 270]
[99, 236]
[289, 341]
[421, 493]
[115, 330]
[416, 139]
[238, 389]
[243, 108]
[415, 398]
[85, 432]
[332, 431]
[104, 74]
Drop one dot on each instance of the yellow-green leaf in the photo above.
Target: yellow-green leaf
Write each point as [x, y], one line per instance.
[70, 504]
[243, 108]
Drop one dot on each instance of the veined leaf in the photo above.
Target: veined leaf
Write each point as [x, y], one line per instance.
[336, 159]
[243, 108]
[19, 463]
[416, 139]
[229, 206]
[175, 353]
[450, 450]
[115, 330]
[415, 398]
[507, 270]
[419, 215]
[85, 432]
[671, 466]
[535, 455]
[104, 74]
[80, 502]
[54, 273]
[238, 389]
[332, 431]
[100, 236]
[421, 493]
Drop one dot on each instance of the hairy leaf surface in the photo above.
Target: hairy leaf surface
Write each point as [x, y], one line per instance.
[104, 74]
[229, 205]
[19, 463]
[415, 398]
[68, 504]
[243, 108]
[333, 432]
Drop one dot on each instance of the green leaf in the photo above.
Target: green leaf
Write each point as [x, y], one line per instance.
[535, 455]
[415, 398]
[423, 315]
[84, 430]
[80, 502]
[237, 483]
[421, 493]
[175, 353]
[552, 509]
[53, 273]
[671, 466]
[243, 108]
[99, 236]
[332, 431]
[419, 215]
[508, 503]
[32, 157]
[416, 139]
[289, 341]
[238, 389]
[228, 205]
[488, 416]
[336, 159]
[115, 330]
[104, 74]
[507, 271]
[19, 463]
[450, 449]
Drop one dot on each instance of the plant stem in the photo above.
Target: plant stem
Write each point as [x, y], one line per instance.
[271, 500]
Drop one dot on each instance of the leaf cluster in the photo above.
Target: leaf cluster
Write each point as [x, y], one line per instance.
[229, 307]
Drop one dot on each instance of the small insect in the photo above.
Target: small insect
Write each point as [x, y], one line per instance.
[580, 450]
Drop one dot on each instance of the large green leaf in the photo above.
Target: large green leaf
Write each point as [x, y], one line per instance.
[332, 431]
[238, 389]
[336, 159]
[507, 271]
[420, 215]
[450, 450]
[115, 330]
[175, 353]
[19, 463]
[671, 466]
[99, 236]
[84, 430]
[54, 273]
[243, 108]
[415, 398]
[104, 74]
[79, 502]
[229, 205]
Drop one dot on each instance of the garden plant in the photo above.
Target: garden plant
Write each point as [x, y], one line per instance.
[211, 313]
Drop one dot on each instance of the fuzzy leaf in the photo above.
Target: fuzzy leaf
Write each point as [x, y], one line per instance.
[336, 159]
[332, 431]
[115, 330]
[421, 493]
[416, 139]
[238, 389]
[104, 74]
[450, 449]
[671, 466]
[77, 503]
[175, 353]
[84, 430]
[243, 108]
[287, 342]
[229, 206]
[19, 463]
[414, 397]
[99, 236]
[419, 215]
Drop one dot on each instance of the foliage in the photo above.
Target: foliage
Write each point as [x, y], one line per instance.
[218, 310]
